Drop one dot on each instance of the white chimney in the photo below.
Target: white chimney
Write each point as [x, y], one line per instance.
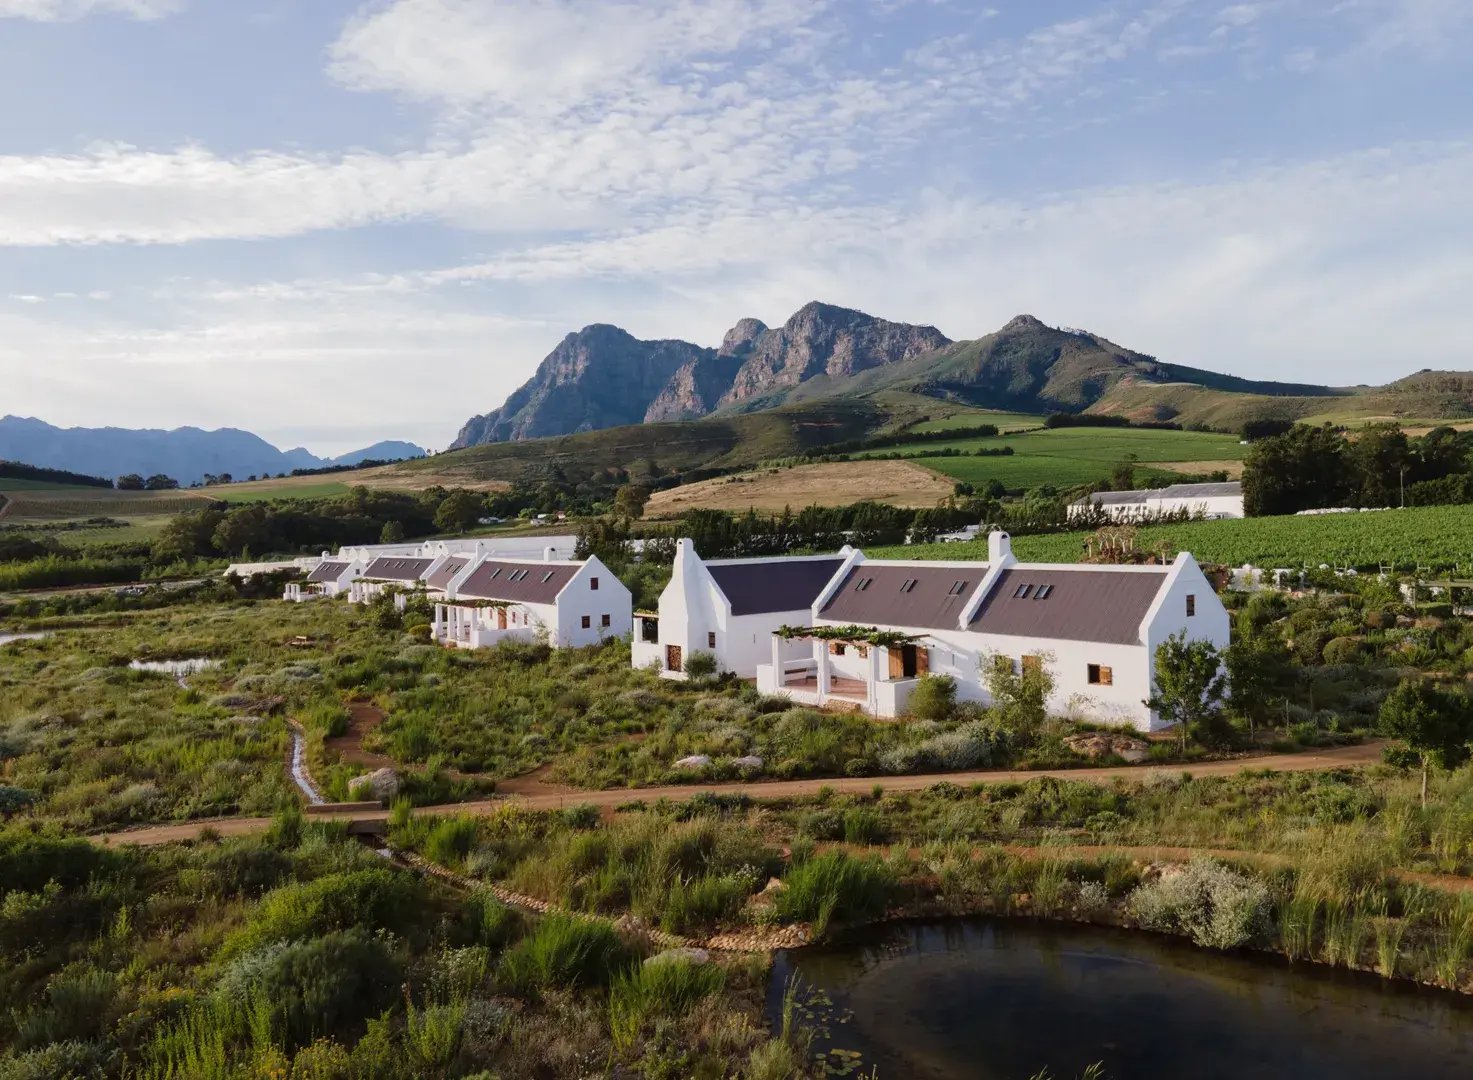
[549, 554]
[999, 546]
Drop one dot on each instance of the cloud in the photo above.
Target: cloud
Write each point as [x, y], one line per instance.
[70, 10]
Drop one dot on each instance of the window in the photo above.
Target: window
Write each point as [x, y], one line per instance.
[1191, 605]
[649, 630]
[862, 584]
[1022, 591]
[908, 584]
[603, 620]
[1043, 592]
[494, 572]
[547, 577]
[1032, 663]
[711, 639]
[593, 584]
[957, 588]
[1099, 675]
[587, 621]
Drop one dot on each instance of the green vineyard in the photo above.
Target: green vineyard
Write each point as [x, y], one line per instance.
[1433, 537]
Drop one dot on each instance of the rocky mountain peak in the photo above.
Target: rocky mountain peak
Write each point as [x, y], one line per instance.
[742, 334]
[1023, 322]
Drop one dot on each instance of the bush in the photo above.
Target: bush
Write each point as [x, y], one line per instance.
[700, 665]
[316, 988]
[834, 887]
[375, 899]
[934, 698]
[563, 952]
[14, 799]
[707, 901]
[451, 840]
[1214, 905]
[863, 826]
[60, 1061]
[662, 987]
[1343, 650]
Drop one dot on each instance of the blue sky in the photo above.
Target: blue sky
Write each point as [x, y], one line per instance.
[332, 221]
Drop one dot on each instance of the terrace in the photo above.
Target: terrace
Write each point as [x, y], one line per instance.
[850, 667]
[478, 624]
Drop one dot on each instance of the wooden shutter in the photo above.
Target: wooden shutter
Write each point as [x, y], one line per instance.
[897, 663]
[923, 660]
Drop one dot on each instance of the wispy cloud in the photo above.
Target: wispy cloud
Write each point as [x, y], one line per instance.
[69, 10]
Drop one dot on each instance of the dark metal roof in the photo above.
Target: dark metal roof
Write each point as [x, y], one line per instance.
[397, 569]
[442, 577]
[518, 582]
[1114, 498]
[1201, 491]
[769, 585]
[891, 594]
[1104, 606]
[327, 571]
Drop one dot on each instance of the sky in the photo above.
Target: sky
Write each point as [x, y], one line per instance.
[335, 221]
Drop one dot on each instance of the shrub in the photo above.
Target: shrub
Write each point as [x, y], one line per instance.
[934, 698]
[700, 665]
[451, 840]
[368, 898]
[244, 869]
[1343, 650]
[60, 1061]
[14, 799]
[78, 1006]
[492, 923]
[834, 887]
[29, 860]
[564, 952]
[706, 901]
[319, 987]
[823, 823]
[662, 987]
[1214, 905]
[863, 825]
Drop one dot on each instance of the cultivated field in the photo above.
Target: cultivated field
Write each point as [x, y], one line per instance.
[1065, 457]
[900, 483]
[385, 477]
[1005, 421]
[34, 504]
[1434, 537]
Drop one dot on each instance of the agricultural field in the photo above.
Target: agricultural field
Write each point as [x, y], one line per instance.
[1434, 537]
[1066, 457]
[30, 504]
[385, 477]
[1005, 421]
[838, 483]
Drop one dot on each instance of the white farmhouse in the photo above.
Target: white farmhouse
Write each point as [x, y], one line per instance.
[728, 608]
[1096, 628]
[330, 577]
[1211, 501]
[390, 574]
[493, 599]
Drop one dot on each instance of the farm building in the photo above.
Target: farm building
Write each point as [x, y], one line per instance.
[1211, 501]
[728, 608]
[878, 626]
[387, 574]
[494, 599]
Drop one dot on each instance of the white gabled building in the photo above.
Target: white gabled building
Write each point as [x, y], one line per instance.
[330, 577]
[728, 608]
[1096, 628]
[1211, 501]
[492, 599]
[391, 574]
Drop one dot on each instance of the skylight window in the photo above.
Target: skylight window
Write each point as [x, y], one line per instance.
[908, 584]
[547, 577]
[957, 588]
[863, 583]
[1021, 593]
[494, 572]
[1043, 592]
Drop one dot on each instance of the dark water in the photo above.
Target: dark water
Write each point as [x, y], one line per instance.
[983, 999]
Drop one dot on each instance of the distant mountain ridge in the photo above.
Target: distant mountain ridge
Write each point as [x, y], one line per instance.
[187, 453]
[604, 377]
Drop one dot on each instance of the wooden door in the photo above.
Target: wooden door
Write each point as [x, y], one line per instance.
[897, 663]
[501, 618]
[923, 660]
[673, 658]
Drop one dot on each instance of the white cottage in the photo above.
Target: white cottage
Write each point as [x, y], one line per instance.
[1212, 501]
[330, 577]
[1096, 628]
[493, 599]
[728, 608]
[391, 574]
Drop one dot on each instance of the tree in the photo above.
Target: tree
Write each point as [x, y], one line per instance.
[1256, 663]
[1122, 475]
[1304, 469]
[244, 528]
[629, 500]
[934, 698]
[1435, 726]
[1190, 685]
[459, 511]
[1019, 693]
[130, 482]
[1381, 457]
[160, 482]
[392, 532]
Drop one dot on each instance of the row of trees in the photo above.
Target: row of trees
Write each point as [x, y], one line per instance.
[136, 482]
[1309, 468]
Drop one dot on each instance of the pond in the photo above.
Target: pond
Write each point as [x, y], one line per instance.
[177, 668]
[7, 638]
[1001, 999]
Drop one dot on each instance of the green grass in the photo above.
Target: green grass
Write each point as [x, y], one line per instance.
[9, 484]
[1005, 421]
[1438, 537]
[264, 492]
[1066, 457]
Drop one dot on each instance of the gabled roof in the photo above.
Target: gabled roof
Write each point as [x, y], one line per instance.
[327, 571]
[1105, 606]
[761, 586]
[397, 569]
[923, 596]
[518, 582]
[445, 573]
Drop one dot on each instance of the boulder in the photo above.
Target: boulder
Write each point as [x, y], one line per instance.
[679, 956]
[1099, 744]
[695, 761]
[381, 784]
[751, 761]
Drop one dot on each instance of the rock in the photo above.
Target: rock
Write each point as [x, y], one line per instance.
[695, 761]
[381, 784]
[679, 956]
[1100, 744]
[774, 885]
[751, 761]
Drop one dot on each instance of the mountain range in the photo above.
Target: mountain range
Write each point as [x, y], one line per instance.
[604, 377]
[187, 454]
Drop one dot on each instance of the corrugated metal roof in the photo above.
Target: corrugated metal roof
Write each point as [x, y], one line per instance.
[327, 571]
[769, 585]
[518, 582]
[895, 594]
[1114, 498]
[1104, 606]
[1201, 491]
[397, 569]
[446, 572]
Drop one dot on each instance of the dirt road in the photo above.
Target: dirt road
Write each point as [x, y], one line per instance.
[1310, 761]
